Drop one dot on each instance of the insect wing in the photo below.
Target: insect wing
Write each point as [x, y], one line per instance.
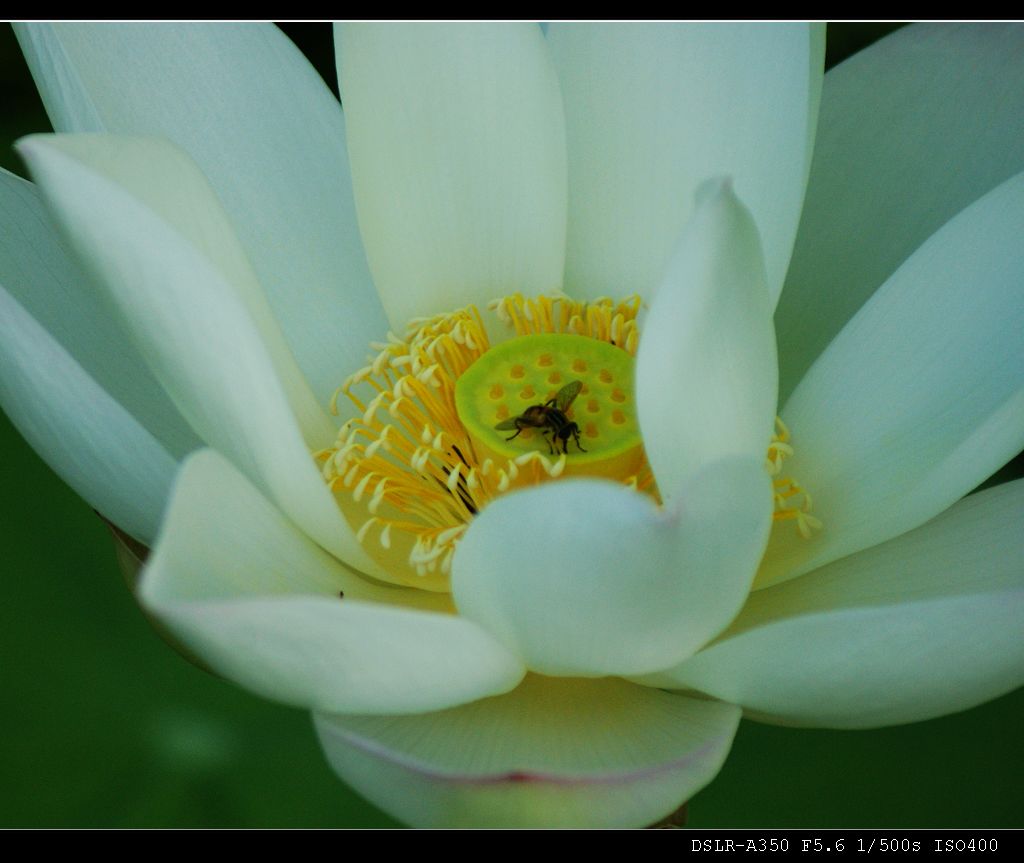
[567, 394]
[505, 425]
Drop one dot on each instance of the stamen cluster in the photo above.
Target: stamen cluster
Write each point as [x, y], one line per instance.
[411, 468]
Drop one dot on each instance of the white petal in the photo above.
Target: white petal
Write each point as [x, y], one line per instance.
[913, 129]
[267, 133]
[706, 369]
[36, 270]
[920, 397]
[259, 602]
[457, 142]
[585, 577]
[91, 442]
[143, 221]
[928, 623]
[552, 753]
[652, 110]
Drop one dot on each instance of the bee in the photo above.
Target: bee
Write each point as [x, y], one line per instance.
[550, 416]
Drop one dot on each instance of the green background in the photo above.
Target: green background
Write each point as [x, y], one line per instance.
[102, 725]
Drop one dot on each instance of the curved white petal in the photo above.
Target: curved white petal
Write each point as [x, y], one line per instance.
[920, 397]
[259, 602]
[146, 225]
[926, 624]
[652, 110]
[586, 577]
[706, 372]
[457, 142]
[37, 271]
[243, 102]
[913, 129]
[91, 442]
[552, 753]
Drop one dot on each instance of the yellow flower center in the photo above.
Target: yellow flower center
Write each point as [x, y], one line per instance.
[447, 423]
[566, 396]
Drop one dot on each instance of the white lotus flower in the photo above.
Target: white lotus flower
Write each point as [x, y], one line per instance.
[601, 639]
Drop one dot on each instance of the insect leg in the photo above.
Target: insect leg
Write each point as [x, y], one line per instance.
[575, 437]
[552, 449]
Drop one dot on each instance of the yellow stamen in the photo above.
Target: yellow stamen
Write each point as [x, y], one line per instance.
[602, 319]
[792, 500]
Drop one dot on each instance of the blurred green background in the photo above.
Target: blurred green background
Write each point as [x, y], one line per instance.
[102, 725]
